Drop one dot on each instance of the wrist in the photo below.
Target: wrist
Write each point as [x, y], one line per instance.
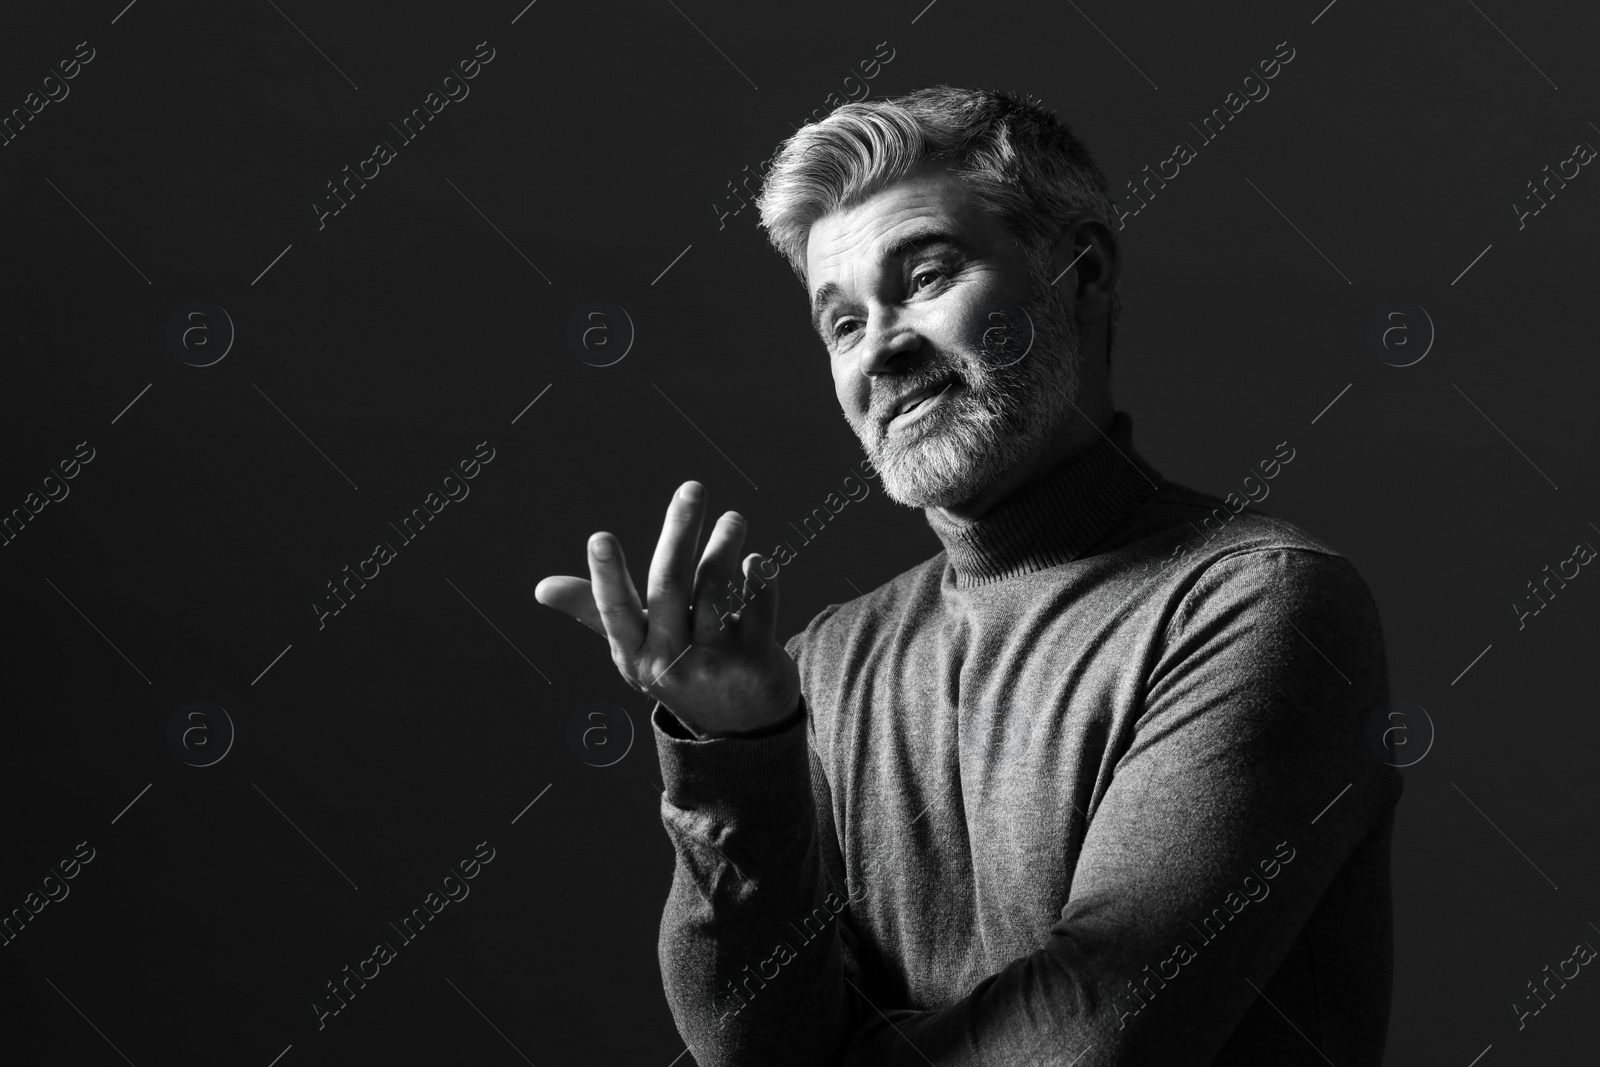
[786, 721]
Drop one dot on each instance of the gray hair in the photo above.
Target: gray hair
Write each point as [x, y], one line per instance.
[1020, 162]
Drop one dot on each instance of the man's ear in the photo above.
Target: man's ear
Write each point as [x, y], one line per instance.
[1085, 261]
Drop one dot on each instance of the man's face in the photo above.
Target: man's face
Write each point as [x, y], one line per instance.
[923, 294]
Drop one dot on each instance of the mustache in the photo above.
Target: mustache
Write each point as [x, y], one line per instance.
[883, 403]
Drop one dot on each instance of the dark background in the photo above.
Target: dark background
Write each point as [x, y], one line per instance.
[379, 351]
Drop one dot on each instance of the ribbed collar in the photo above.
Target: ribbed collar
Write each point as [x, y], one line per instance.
[1056, 518]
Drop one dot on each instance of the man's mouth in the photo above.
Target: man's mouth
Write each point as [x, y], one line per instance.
[917, 404]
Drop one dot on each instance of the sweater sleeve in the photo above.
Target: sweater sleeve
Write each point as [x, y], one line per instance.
[755, 946]
[1246, 783]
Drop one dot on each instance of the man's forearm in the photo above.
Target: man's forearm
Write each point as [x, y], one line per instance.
[750, 949]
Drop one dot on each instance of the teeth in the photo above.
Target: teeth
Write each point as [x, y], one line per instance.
[913, 402]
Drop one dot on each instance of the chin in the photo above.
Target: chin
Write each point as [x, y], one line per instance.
[986, 432]
[940, 469]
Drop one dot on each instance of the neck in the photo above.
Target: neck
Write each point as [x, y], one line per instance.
[1081, 433]
[1054, 518]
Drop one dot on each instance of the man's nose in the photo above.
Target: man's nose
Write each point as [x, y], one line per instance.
[889, 343]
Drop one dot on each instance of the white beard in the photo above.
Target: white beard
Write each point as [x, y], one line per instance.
[993, 421]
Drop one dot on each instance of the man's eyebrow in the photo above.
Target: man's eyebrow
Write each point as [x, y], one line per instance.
[914, 241]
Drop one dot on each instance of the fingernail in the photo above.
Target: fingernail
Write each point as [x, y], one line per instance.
[600, 547]
[691, 491]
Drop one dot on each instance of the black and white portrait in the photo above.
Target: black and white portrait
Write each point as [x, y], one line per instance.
[871, 535]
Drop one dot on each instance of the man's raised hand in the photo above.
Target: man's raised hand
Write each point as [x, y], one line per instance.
[719, 676]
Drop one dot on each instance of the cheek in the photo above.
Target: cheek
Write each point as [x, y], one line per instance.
[979, 326]
[1007, 336]
[850, 386]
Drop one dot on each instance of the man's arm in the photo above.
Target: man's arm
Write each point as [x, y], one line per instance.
[738, 797]
[1229, 805]
[755, 939]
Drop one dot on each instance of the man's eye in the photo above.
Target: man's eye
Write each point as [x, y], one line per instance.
[929, 273]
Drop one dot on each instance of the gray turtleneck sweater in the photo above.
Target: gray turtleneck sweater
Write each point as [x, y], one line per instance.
[1100, 783]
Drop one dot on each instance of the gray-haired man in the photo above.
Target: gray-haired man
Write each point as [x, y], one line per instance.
[1091, 786]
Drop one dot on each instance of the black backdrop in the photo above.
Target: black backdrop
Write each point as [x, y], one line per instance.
[594, 160]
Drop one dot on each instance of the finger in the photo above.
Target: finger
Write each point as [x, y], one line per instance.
[719, 566]
[671, 585]
[615, 597]
[574, 596]
[758, 623]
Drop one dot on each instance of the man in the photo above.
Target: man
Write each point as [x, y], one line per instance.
[1092, 785]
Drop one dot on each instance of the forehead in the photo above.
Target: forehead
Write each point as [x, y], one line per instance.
[846, 240]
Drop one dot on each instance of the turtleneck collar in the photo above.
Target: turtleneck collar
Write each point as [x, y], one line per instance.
[1055, 518]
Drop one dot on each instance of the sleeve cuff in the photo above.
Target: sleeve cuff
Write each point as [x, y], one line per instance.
[766, 766]
[672, 726]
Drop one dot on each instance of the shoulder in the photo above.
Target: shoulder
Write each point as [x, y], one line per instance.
[1287, 584]
[1203, 556]
[1266, 640]
[1205, 533]
[1266, 605]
